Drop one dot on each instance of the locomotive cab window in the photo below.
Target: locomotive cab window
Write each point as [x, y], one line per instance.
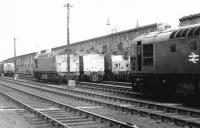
[173, 47]
[148, 55]
[193, 45]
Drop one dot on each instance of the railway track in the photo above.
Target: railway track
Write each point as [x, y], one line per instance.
[180, 116]
[59, 114]
[116, 89]
[123, 88]
[126, 84]
[12, 115]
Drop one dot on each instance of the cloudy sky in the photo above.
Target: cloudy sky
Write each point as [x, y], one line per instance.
[41, 24]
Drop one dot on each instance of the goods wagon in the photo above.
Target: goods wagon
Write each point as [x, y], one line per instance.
[92, 67]
[53, 67]
[117, 67]
[8, 69]
[167, 62]
[1, 68]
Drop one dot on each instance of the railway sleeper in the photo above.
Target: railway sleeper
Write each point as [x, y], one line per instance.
[69, 118]
[178, 119]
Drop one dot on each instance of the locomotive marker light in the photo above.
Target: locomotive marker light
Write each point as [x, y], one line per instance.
[193, 58]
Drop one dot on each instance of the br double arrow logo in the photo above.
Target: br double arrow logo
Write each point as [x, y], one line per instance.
[193, 58]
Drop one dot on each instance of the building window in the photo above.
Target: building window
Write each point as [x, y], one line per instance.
[120, 46]
[173, 47]
[148, 55]
[104, 49]
[193, 45]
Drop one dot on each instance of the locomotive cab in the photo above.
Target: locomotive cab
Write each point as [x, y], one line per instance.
[167, 62]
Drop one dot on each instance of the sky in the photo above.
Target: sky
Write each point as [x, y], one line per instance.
[42, 24]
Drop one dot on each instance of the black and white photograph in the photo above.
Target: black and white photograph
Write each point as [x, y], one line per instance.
[99, 64]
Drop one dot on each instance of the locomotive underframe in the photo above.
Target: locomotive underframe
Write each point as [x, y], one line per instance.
[166, 84]
[54, 76]
[62, 76]
[9, 73]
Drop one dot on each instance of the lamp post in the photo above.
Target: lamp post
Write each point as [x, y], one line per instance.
[68, 47]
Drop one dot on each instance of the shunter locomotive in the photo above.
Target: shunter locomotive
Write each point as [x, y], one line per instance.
[167, 62]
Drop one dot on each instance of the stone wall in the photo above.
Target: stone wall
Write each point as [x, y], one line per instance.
[116, 43]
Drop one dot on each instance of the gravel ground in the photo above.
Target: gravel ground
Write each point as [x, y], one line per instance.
[9, 117]
[143, 122]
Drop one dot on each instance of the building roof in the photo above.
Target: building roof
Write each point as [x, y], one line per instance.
[189, 17]
[12, 58]
[117, 33]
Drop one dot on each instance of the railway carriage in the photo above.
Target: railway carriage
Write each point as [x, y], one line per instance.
[166, 62]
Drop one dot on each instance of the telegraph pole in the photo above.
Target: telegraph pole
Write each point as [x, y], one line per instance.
[14, 59]
[68, 47]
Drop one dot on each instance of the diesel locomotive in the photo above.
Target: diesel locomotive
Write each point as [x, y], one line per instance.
[167, 62]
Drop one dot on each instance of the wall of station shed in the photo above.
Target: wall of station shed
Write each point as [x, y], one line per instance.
[116, 43]
[24, 64]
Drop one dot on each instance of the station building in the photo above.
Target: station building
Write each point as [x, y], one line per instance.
[115, 43]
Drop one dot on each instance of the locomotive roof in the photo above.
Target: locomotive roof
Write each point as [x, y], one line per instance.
[52, 53]
[179, 32]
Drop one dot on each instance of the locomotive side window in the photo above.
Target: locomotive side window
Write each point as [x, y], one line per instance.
[148, 55]
[173, 47]
[193, 45]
